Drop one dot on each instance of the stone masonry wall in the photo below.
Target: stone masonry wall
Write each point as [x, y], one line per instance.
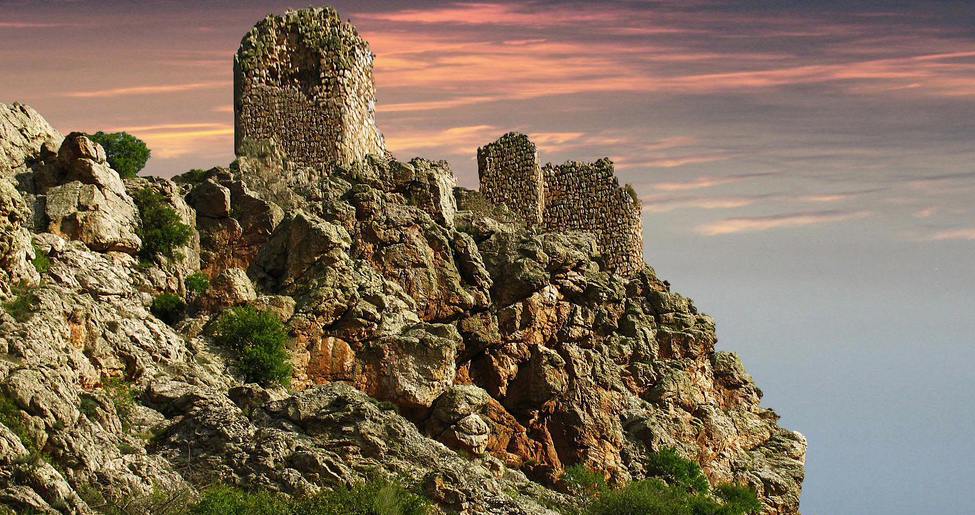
[305, 80]
[570, 197]
[510, 175]
[588, 197]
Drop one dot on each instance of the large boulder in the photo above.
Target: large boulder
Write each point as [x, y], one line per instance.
[22, 134]
[86, 200]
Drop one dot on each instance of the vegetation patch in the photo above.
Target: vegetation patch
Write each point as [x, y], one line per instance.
[125, 153]
[678, 488]
[257, 338]
[197, 283]
[22, 306]
[376, 497]
[162, 231]
[123, 395]
[168, 307]
[41, 262]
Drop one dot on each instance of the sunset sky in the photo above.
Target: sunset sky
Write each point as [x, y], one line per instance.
[807, 173]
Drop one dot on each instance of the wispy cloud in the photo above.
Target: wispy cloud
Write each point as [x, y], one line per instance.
[497, 14]
[27, 25]
[967, 233]
[707, 182]
[458, 140]
[659, 204]
[764, 223]
[146, 90]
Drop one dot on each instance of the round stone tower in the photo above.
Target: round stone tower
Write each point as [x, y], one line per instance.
[305, 80]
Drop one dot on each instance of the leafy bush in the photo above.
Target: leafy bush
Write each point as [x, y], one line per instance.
[168, 307]
[162, 231]
[628, 188]
[376, 497]
[191, 177]
[743, 499]
[197, 283]
[583, 481]
[679, 489]
[677, 471]
[258, 338]
[125, 153]
[655, 497]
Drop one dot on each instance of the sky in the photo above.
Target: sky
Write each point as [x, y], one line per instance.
[806, 171]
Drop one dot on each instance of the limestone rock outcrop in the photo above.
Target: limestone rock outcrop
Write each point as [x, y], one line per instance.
[433, 335]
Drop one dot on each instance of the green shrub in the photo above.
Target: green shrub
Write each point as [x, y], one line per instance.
[168, 307]
[123, 395]
[41, 262]
[23, 305]
[677, 471]
[125, 153]
[742, 499]
[88, 406]
[258, 339]
[162, 231]
[584, 482]
[376, 497]
[10, 416]
[655, 497]
[197, 283]
[191, 177]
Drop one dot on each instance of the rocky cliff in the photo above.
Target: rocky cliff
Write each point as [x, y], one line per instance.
[432, 336]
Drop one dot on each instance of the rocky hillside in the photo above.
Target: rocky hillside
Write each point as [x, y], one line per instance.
[431, 337]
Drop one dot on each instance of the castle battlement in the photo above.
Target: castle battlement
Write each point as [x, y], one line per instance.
[574, 196]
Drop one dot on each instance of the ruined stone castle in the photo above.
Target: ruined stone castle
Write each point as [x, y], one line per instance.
[305, 80]
[570, 197]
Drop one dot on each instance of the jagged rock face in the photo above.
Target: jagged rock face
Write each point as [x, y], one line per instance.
[422, 322]
[16, 251]
[22, 134]
[580, 365]
[230, 237]
[84, 199]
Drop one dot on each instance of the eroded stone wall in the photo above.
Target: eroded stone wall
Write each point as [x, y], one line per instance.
[305, 80]
[588, 197]
[510, 175]
[573, 196]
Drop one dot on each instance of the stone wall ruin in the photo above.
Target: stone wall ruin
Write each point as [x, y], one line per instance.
[510, 175]
[305, 80]
[573, 196]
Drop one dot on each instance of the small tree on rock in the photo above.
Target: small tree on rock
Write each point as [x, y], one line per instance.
[125, 153]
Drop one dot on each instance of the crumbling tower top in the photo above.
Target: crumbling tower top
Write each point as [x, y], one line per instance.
[305, 80]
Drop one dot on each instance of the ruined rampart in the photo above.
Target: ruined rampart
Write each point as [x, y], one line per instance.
[573, 196]
[588, 197]
[510, 175]
[305, 80]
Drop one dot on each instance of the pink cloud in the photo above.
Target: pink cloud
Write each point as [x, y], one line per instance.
[967, 233]
[146, 90]
[764, 223]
